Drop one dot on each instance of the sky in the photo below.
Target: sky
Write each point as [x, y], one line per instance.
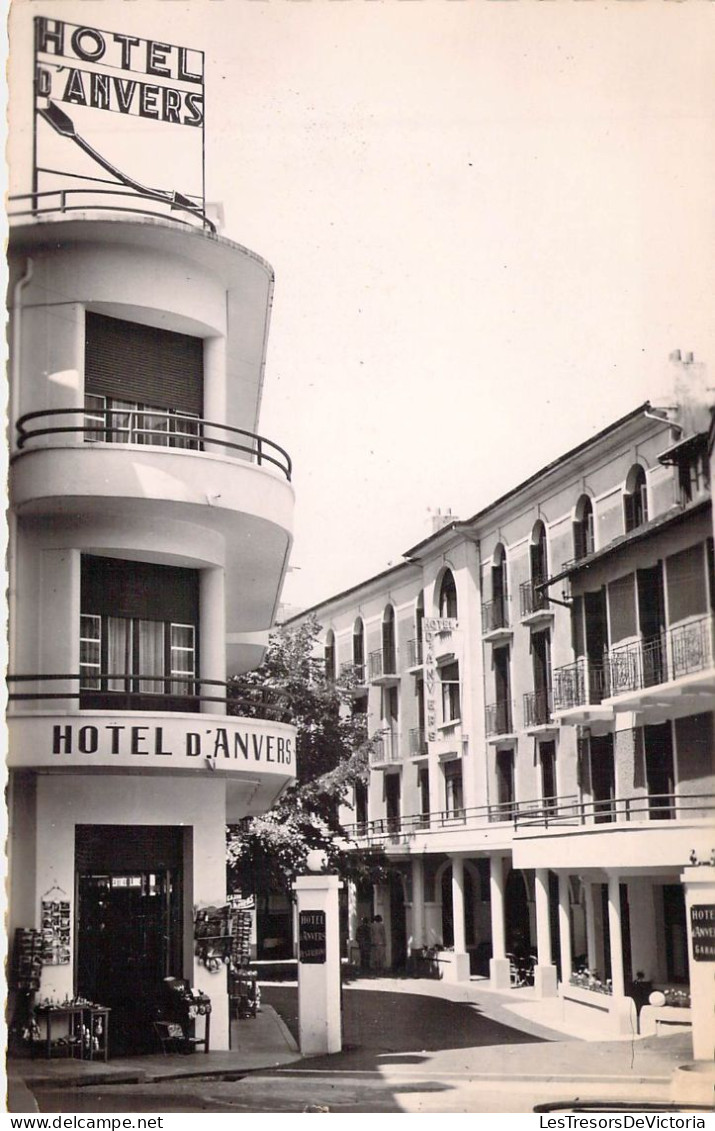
[490, 222]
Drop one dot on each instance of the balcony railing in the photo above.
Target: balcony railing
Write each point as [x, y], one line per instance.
[386, 750]
[127, 691]
[542, 813]
[532, 598]
[414, 652]
[499, 717]
[495, 615]
[672, 654]
[582, 684]
[382, 663]
[354, 673]
[149, 426]
[417, 741]
[155, 203]
[537, 708]
[617, 810]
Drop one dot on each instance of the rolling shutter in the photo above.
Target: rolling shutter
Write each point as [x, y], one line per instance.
[143, 365]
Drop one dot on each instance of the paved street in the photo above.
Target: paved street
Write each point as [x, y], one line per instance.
[410, 1049]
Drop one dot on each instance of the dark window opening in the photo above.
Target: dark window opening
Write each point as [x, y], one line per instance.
[448, 596]
[635, 499]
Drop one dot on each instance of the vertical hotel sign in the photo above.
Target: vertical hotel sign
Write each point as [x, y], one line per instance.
[118, 122]
[432, 629]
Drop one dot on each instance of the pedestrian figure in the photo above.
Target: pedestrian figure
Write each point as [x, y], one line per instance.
[364, 939]
[378, 944]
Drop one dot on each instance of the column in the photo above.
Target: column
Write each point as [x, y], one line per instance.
[418, 903]
[544, 971]
[565, 927]
[215, 380]
[319, 1015]
[644, 934]
[460, 944]
[590, 909]
[353, 922]
[499, 963]
[212, 606]
[614, 927]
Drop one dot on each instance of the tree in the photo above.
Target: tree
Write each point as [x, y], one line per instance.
[332, 754]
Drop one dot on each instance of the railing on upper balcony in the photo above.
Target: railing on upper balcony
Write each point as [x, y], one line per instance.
[354, 672]
[618, 810]
[382, 662]
[674, 653]
[414, 652]
[532, 597]
[386, 750]
[137, 691]
[537, 708]
[417, 741]
[495, 615]
[185, 212]
[150, 426]
[581, 684]
[499, 717]
[542, 813]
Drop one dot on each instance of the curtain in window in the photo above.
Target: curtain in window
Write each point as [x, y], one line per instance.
[119, 652]
[151, 656]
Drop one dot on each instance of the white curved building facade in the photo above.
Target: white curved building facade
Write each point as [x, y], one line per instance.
[150, 528]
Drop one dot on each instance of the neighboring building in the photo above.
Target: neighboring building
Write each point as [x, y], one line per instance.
[150, 528]
[542, 677]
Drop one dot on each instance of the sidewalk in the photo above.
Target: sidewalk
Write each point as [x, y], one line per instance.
[263, 1042]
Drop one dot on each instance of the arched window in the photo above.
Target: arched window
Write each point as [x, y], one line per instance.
[416, 647]
[500, 593]
[330, 656]
[359, 650]
[448, 595]
[635, 498]
[389, 651]
[538, 554]
[583, 543]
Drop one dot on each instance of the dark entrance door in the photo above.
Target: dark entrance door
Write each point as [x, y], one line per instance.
[398, 921]
[128, 925]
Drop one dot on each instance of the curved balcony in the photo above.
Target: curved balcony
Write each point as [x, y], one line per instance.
[154, 427]
[151, 725]
[60, 202]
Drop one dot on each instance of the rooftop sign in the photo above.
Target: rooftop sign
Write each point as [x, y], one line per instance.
[152, 147]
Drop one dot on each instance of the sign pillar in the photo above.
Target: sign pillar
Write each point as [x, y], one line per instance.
[699, 884]
[319, 1012]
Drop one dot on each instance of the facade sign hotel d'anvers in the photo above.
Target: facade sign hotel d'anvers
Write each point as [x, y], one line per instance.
[433, 627]
[154, 86]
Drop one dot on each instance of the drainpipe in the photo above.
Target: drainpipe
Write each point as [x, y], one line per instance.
[14, 399]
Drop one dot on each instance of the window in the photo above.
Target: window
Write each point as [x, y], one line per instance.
[359, 650]
[361, 805]
[583, 540]
[500, 592]
[453, 792]
[130, 422]
[505, 784]
[330, 656]
[448, 596]
[603, 777]
[538, 556]
[389, 652]
[423, 790]
[660, 770]
[138, 635]
[547, 757]
[392, 801]
[635, 499]
[449, 678]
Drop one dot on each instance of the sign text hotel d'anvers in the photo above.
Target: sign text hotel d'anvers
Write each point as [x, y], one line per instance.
[151, 89]
[138, 740]
[83, 66]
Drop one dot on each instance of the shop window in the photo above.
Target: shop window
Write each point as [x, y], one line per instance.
[138, 635]
[635, 499]
[449, 679]
[448, 596]
[583, 539]
[453, 788]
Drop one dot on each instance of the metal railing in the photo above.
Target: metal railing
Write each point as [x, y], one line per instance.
[618, 810]
[672, 654]
[414, 652]
[533, 599]
[382, 662]
[499, 717]
[417, 741]
[541, 812]
[495, 615]
[537, 708]
[353, 671]
[580, 684]
[126, 691]
[93, 199]
[386, 750]
[156, 427]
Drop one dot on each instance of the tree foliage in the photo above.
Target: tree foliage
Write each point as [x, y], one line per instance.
[332, 754]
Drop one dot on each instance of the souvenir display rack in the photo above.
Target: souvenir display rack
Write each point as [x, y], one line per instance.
[74, 1028]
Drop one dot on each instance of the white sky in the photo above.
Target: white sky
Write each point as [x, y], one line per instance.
[490, 222]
